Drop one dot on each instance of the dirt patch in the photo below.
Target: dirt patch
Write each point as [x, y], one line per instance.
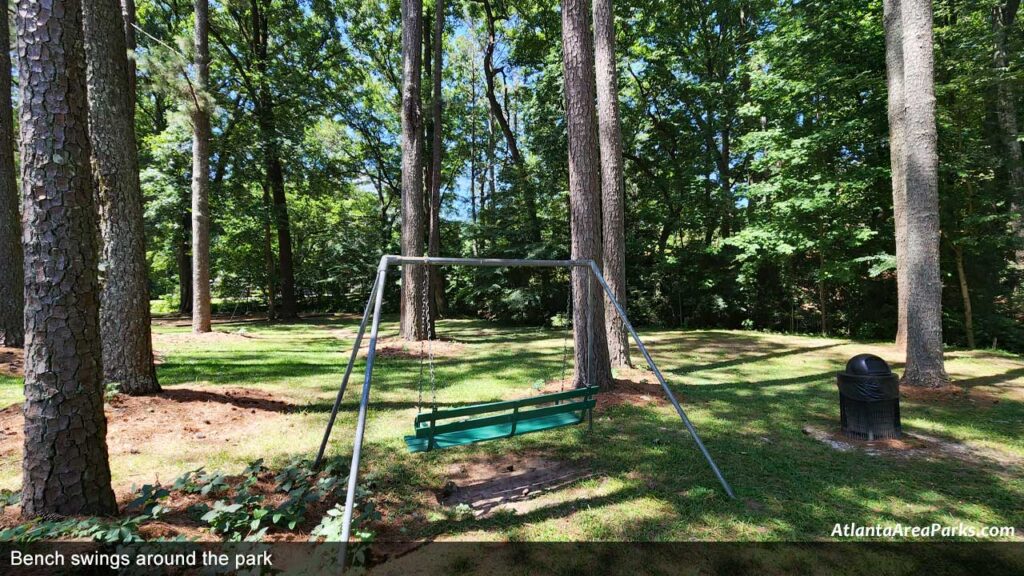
[508, 482]
[915, 444]
[156, 424]
[215, 337]
[396, 347]
[634, 387]
[12, 362]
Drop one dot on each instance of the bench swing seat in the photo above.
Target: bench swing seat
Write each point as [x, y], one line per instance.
[479, 424]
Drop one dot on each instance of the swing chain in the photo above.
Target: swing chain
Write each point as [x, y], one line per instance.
[429, 335]
[565, 335]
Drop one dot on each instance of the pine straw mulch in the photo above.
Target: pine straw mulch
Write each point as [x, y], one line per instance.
[161, 423]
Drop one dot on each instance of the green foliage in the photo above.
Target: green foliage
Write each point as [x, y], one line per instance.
[96, 529]
[755, 151]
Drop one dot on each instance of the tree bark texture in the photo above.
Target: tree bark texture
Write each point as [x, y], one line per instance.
[436, 156]
[124, 300]
[12, 272]
[592, 363]
[1003, 17]
[65, 467]
[201, 172]
[413, 326]
[612, 181]
[897, 157]
[925, 366]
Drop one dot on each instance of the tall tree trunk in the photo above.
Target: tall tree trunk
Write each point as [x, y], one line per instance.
[436, 154]
[592, 363]
[12, 274]
[201, 173]
[268, 254]
[612, 181]
[1003, 17]
[272, 166]
[897, 158]
[124, 302]
[65, 467]
[413, 326]
[965, 294]
[925, 366]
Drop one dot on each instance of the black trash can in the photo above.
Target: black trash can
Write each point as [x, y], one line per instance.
[869, 399]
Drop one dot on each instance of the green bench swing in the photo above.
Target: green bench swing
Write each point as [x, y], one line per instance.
[568, 408]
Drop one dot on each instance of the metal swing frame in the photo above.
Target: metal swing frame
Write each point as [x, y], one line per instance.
[373, 309]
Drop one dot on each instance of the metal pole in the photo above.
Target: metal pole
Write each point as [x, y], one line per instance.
[488, 262]
[590, 333]
[661, 379]
[348, 373]
[357, 445]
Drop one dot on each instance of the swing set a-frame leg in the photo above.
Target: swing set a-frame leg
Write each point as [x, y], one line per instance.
[661, 379]
[344, 379]
[364, 400]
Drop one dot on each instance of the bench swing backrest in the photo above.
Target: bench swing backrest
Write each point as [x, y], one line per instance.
[531, 412]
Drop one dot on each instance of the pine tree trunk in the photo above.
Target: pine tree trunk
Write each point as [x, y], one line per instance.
[124, 302]
[65, 467]
[1003, 17]
[612, 181]
[897, 129]
[413, 326]
[925, 366]
[436, 154]
[592, 363]
[12, 276]
[201, 173]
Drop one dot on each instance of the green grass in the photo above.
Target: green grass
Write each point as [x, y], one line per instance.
[749, 395]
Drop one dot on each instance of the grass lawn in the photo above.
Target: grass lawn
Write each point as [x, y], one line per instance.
[638, 475]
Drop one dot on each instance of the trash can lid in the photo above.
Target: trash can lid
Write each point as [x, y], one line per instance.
[866, 365]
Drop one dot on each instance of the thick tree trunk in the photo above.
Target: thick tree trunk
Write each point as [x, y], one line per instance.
[965, 294]
[12, 276]
[925, 366]
[124, 302]
[1003, 17]
[413, 326]
[897, 129]
[275, 177]
[612, 181]
[591, 344]
[436, 155]
[65, 467]
[201, 173]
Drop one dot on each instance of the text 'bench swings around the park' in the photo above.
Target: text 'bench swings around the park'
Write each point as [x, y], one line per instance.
[438, 429]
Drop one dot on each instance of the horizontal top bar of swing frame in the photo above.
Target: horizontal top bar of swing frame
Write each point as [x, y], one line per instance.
[491, 262]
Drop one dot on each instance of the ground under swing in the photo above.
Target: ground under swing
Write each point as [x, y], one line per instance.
[439, 429]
